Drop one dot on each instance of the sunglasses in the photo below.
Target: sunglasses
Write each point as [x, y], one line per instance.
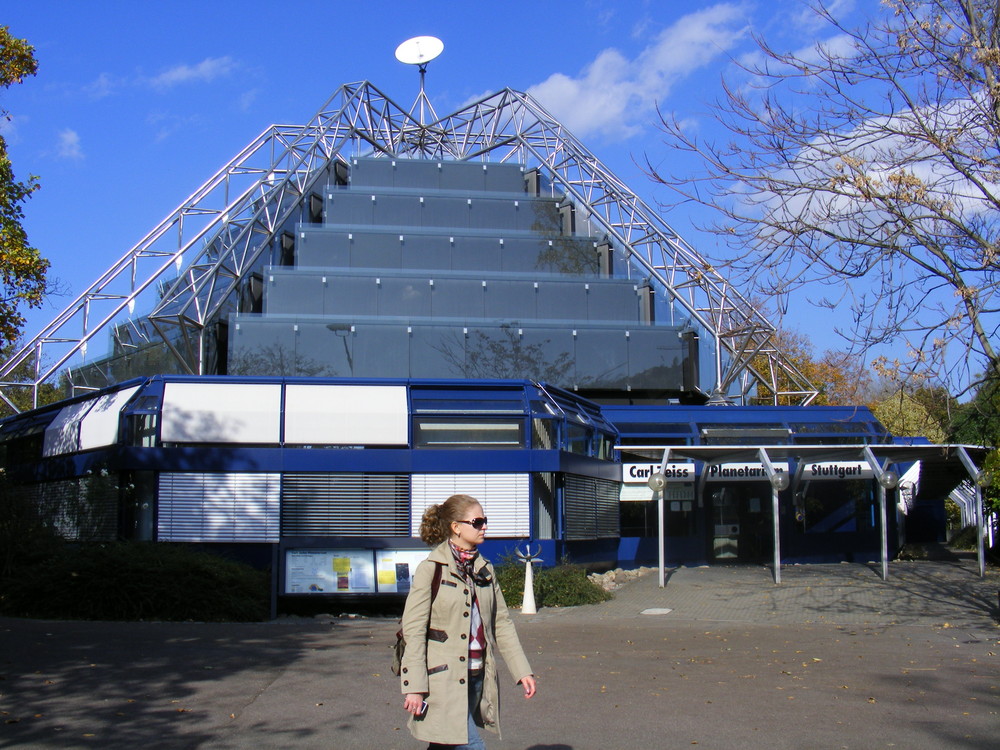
[476, 523]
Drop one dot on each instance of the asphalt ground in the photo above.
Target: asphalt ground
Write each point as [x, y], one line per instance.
[833, 657]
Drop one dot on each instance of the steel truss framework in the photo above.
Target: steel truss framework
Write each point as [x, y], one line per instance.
[190, 266]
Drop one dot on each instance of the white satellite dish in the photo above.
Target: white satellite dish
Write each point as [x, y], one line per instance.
[419, 50]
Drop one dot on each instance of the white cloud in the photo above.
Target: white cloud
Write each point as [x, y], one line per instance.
[68, 146]
[207, 70]
[808, 20]
[166, 124]
[8, 127]
[102, 86]
[247, 99]
[616, 96]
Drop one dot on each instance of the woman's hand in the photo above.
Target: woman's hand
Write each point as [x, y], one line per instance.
[413, 702]
[528, 683]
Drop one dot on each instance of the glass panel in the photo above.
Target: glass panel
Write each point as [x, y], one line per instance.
[454, 298]
[521, 254]
[544, 434]
[476, 254]
[376, 250]
[498, 214]
[828, 507]
[437, 352]
[418, 173]
[324, 349]
[371, 172]
[578, 439]
[381, 351]
[349, 208]
[398, 210]
[446, 211]
[655, 359]
[350, 295]
[543, 498]
[613, 301]
[829, 427]
[539, 215]
[296, 293]
[544, 354]
[260, 347]
[463, 176]
[510, 299]
[504, 178]
[422, 251]
[562, 300]
[405, 297]
[601, 359]
[322, 248]
[455, 433]
[568, 255]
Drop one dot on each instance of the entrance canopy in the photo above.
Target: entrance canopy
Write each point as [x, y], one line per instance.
[944, 466]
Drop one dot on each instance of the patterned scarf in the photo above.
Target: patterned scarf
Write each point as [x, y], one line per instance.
[464, 559]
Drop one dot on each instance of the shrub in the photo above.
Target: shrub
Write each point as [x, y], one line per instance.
[567, 586]
[561, 586]
[965, 539]
[510, 578]
[136, 581]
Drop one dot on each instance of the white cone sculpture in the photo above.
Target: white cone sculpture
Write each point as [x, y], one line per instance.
[528, 600]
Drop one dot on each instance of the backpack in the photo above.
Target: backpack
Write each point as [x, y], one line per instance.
[400, 647]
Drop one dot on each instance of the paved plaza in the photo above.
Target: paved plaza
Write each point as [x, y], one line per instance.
[721, 657]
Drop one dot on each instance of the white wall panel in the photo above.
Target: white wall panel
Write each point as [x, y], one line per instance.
[346, 415]
[506, 499]
[221, 413]
[99, 426]
[63, 434]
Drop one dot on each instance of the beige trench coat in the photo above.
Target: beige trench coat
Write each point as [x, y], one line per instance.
[438, 665]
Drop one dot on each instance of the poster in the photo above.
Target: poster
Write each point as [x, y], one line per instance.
[309, 571]
[395, 568]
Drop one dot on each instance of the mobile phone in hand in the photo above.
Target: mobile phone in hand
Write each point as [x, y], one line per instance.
[423, 709]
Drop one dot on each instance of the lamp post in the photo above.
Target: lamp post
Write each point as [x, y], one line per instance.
[656, 482]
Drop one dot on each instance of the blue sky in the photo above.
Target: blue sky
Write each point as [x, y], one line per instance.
[136, 104]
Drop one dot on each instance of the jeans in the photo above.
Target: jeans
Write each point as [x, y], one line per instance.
[475, 741]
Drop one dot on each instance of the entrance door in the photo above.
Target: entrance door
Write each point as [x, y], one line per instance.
[741, 527]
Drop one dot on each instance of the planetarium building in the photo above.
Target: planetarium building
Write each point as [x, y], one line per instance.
[361, 315]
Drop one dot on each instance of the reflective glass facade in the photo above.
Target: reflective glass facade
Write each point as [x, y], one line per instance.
[428, 269]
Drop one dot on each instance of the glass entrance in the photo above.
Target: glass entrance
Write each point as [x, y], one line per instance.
[741, 526]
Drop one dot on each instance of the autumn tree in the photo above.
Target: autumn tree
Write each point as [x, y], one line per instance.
[839, 378]
[864, 173]
[977, 422]
[905, 415]
[22, 268]
[22, 399]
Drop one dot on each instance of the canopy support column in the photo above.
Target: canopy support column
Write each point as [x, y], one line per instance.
[779, 481]
[978, 479]
[886, 481]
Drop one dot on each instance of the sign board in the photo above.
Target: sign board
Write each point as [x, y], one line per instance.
[741, 471]
[838, 470]
[640, 473]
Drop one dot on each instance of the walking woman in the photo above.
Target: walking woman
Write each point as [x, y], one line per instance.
[454, 622]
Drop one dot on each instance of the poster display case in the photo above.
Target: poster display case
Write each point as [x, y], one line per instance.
[350, 571]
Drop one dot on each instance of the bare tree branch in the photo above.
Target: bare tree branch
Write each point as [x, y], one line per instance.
[865, 172]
